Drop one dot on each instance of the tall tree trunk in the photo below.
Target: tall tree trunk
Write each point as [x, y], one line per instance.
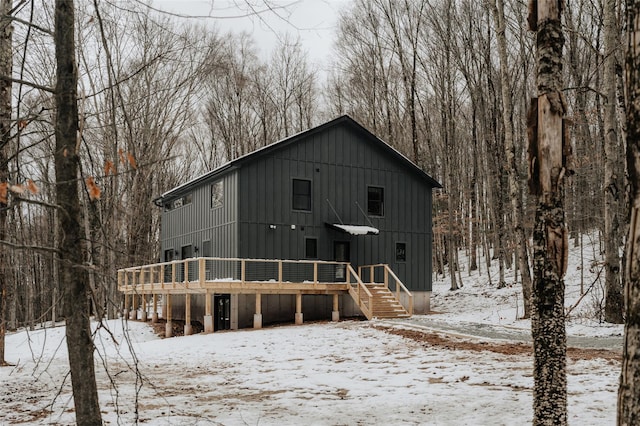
[6, 32]
[549, 234]
[515, 189]
[629, 391]
[613, 184]
[71, 248]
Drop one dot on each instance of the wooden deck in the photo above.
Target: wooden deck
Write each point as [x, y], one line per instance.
[265, 276]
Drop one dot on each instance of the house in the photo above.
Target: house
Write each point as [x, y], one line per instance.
[334, 193]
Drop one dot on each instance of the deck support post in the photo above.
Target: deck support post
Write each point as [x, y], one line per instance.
[143, 305]
[299, 317]
[335, 314]
[134, 308]
[188, 329]
[154, 314]
[168, 329]
[257, 317]
[208, 317]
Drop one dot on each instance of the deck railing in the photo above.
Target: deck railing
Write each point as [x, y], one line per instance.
[382, 274]
[196, 272]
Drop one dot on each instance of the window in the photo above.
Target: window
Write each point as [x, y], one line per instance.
[302, 195]
[311, 248]
[168, 255]
[375, 201]
[217, 194]
[401, 252]
[206, 248]
[178, 202]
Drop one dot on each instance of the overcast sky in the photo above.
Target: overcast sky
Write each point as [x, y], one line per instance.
[313, 20]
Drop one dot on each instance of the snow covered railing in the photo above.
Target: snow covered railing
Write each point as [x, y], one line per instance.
[371, 273]
[204, 272]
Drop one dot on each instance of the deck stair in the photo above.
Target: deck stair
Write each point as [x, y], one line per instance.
[385, 305]
[375, 298]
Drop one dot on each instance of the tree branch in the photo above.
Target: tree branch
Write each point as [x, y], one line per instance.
[27, 83]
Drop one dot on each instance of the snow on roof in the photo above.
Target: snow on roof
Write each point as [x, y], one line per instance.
[357, 229]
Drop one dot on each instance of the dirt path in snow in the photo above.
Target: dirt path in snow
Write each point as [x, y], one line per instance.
[455, 343]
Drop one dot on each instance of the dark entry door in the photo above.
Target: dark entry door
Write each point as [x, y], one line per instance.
[168, 257]
[341, 253]
[222, 311]
[186, 252]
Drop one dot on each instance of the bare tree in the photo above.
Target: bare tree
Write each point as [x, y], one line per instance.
[613, 177]
[550, 249]
[6, 62]
[515, 187]
[629, 391]
[71, 249]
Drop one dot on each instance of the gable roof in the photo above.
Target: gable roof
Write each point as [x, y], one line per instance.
[344, 119]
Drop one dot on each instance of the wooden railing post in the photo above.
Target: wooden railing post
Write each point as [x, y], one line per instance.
[173, 274]
[201, 269]
[162, 275]
[280, 272]
[371, 274]
[186, 273]
[315, 274]
[243, 270]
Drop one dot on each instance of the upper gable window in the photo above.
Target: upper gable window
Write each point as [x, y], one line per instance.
[301, 195]
[217, 194]
[375, 201]
[178, 202]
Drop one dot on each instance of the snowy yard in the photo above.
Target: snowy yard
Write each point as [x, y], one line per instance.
[346, 373]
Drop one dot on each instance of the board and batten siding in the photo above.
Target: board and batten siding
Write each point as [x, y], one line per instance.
[198, 222]
[341, 164]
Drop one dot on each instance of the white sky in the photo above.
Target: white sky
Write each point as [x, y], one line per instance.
[314, 21]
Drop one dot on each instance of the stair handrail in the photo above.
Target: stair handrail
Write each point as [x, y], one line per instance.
[364, 303]
[399, 286]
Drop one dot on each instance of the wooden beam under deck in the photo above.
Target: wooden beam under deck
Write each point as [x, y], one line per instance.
[235, 287]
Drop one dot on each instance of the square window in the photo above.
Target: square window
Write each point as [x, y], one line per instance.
[206, 248]
[311, 248]
[401, 252]
[217, 194]
[375, 201]
[301, 195]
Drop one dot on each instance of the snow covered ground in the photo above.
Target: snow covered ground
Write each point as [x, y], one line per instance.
[346, 373]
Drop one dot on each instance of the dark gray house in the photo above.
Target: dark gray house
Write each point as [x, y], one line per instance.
[334, 192]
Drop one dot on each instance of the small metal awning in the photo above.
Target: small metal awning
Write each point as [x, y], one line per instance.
[354, 229]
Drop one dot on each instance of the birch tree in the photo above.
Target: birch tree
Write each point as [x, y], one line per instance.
[548, 168]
